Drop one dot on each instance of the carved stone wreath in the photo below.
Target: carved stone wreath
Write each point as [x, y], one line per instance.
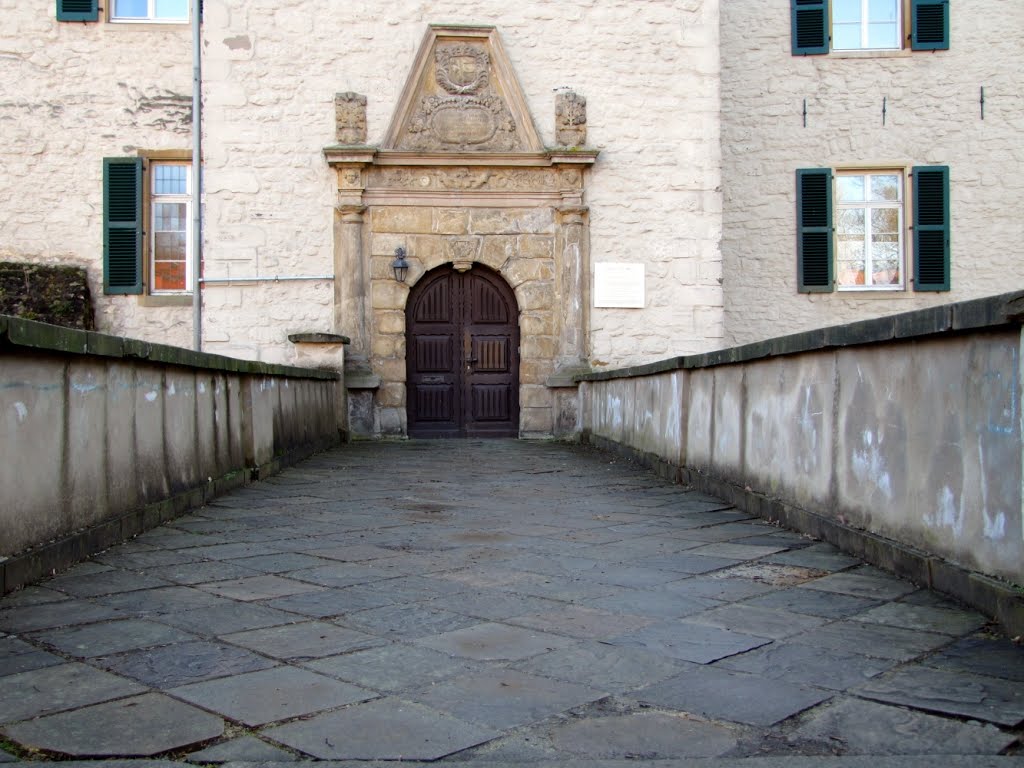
[453, 60]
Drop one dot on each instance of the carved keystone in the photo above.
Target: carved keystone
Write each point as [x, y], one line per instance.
[570, 119]
[350, 116]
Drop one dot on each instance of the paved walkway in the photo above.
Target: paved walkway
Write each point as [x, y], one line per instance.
[496, 603]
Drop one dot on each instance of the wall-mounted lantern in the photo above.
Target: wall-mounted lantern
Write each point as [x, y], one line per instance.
[400, 266]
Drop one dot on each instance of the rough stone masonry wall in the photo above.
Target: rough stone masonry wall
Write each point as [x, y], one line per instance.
[517, 243]
[649, 71]
[74, 93]
[932, 118]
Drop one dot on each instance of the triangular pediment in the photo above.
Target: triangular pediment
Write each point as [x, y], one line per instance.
[462, 96]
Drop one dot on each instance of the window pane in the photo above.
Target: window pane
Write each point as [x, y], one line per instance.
[169, 246]
[169, 217]
[846, 37]
[169, 276]
[885, 221]
[172, 9]
[851, 222]
[882, 36]
[846, 11]
[851, 263]
[885, 187]
[170, 180]
[137, 9]
[850, 188]
[882, 10]
[885, 263]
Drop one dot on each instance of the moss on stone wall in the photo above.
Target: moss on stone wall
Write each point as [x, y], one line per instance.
[47, 293]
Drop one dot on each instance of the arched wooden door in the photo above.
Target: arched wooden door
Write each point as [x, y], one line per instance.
[462, 355]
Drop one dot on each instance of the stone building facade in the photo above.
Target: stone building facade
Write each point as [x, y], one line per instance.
[539, 143]
[953, 104]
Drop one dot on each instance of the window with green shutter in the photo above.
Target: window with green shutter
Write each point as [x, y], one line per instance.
[814, 229]
[931, 228]
[929, 25]
[78, 10]
[810, 26]
[122, 225]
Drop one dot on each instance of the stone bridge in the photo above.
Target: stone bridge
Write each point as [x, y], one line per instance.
[511, 602]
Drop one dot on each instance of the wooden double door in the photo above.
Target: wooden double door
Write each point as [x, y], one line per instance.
[462, 355]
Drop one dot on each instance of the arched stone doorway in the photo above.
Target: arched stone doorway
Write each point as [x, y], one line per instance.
[462, 355]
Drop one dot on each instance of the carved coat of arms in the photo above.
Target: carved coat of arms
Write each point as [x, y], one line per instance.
[464, 112]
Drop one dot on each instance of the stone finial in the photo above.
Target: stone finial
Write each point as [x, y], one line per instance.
[350, 115]
[570, 119]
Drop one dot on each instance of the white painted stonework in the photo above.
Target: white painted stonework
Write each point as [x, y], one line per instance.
[695, 107]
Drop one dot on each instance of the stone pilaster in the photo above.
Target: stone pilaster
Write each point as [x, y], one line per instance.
[572, 246]
[350, 284]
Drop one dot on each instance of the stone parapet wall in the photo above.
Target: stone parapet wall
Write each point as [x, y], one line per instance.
[103, 436]
[898, 438]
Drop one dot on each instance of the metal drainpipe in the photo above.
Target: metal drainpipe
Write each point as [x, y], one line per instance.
[197, 179]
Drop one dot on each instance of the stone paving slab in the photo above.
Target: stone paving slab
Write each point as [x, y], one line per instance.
[803, 664]
[307, 640]
[109, 637]
[146, 725]
[26, 662]
[949, 692]
[645, 736]
[736, 697]
[243, 748]
[602, 666]
[690, 642]
[388, 729]
[178, 664]
[270, 695]
[494, 642]
[53, 689]
[505, 699]
[394, 667]
[867, 728]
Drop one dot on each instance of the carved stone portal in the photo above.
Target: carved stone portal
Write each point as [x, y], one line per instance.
[463, 179]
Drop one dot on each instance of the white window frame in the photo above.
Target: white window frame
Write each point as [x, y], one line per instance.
[154, 200]
[865, 27]
[150, 17]
[900, 205]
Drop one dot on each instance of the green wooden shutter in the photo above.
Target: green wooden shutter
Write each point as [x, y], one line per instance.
[814, 230]
[931, 228]
[929, 25]
[122, 225]
[810, 26]
[78, 10]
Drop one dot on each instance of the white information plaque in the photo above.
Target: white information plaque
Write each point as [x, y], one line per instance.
[619, 285]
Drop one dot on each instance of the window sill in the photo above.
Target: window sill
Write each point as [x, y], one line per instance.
[860, 291]
[893, 53]
[168, 300]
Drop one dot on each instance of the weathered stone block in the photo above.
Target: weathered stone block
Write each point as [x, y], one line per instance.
[512, 221]
[536, 294]
[451, 221]
[389, 321]
[537, 323]
[391, 395]
[497, 250]
[536, 421]
[538, 347]
[537, 246]
[388, 294]
[402, 219]
[534, 396]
